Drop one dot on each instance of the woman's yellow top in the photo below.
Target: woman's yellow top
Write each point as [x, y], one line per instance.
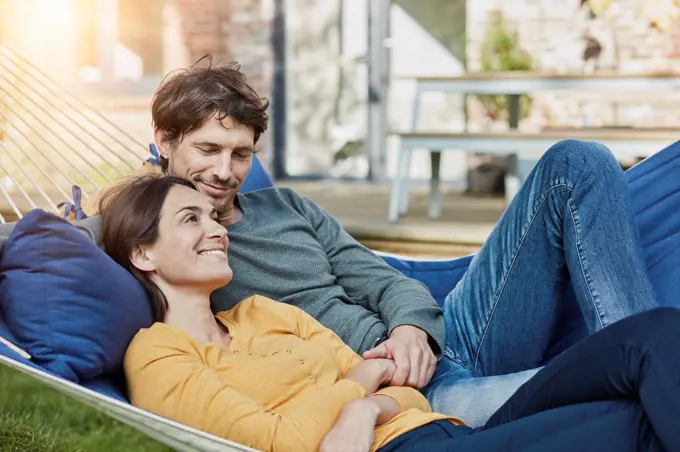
[277, 387]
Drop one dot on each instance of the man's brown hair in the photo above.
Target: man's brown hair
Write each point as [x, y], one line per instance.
[188, 97]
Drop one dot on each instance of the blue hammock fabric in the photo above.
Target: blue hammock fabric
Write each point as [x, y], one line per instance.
[655, 190]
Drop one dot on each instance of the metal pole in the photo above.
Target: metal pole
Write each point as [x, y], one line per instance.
[279, 107]
[376, 133]
[107, 39]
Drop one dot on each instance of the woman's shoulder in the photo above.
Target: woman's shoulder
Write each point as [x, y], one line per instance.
[155, 340]
[262, 308]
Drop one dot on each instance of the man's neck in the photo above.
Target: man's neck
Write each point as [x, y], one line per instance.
[231, 216]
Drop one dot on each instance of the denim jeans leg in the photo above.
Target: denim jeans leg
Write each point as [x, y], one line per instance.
[454, 390]
[571, 223]
[636, 359]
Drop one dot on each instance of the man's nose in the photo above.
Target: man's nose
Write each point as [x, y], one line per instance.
[223, 167]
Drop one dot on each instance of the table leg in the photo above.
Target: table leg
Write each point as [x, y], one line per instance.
[513, 111]
[396, 191]
[416, 111]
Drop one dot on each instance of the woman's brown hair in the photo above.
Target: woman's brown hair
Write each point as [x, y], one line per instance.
[130, 212]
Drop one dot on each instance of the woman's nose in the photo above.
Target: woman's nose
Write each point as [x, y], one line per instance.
[217, 231]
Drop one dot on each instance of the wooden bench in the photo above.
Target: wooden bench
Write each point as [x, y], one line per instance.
[624, 144]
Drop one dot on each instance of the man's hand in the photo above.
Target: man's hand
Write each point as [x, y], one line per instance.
[408, 347]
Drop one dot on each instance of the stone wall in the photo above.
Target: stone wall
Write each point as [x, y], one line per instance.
[552, 32]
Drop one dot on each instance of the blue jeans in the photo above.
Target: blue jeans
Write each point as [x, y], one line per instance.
[618, 390]
[568, 241]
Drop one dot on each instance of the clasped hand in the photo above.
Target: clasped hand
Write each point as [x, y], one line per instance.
[408, 347]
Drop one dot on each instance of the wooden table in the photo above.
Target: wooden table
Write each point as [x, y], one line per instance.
[513, 84]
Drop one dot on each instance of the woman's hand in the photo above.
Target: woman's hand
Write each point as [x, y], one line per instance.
[354, 430]
[371, 374]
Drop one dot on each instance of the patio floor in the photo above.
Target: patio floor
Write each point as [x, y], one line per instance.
[361, 208]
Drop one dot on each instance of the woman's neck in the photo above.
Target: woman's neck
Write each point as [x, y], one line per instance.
[189, 309]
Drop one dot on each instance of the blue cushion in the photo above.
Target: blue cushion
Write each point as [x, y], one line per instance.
[439, 276]
[654, 186]
[257, 178]
[69, 305]
[5, 350]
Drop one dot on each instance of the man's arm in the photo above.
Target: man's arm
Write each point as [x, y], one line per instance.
[413, 319]
[370, 281]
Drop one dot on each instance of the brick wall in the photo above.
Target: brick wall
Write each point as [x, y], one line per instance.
[231, 31]
[203, 30]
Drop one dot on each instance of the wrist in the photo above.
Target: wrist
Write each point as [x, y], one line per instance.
[409, 330]
[381, 408]
[363, 407]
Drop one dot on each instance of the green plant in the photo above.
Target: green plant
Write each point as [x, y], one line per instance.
[501, 52]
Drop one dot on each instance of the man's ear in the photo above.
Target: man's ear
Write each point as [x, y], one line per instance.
[161, 143]
[142, 259]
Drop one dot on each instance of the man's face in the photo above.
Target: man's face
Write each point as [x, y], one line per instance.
[216, 158]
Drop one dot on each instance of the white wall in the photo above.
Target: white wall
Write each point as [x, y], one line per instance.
[314, 64]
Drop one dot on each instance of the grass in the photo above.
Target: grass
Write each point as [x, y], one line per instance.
[37, 418]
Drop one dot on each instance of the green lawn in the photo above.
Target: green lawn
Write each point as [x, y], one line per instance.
[36, 418]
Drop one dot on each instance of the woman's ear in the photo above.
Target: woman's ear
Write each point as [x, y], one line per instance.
[142, 259]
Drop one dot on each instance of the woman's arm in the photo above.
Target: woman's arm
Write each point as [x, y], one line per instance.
[356, 426]
[366, 372]
[166, 376]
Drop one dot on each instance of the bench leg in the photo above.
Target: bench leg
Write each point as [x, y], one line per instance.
[512, 180]
[397, 185]
[405, 183]
[435, 209]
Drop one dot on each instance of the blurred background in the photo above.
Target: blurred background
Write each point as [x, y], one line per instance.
[465, 94]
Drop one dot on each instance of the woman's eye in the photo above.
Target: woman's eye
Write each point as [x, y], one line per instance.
[191, 218]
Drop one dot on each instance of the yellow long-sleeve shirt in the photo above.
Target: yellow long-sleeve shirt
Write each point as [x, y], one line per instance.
[278, 386]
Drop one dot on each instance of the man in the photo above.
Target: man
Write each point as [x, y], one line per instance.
[497, 325]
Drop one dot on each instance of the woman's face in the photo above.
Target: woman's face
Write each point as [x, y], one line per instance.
[191, 250]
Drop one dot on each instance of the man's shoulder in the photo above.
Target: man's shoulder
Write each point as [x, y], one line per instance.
[281, 197]
[271, 193]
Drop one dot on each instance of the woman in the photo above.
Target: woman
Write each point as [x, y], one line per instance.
[267, 375]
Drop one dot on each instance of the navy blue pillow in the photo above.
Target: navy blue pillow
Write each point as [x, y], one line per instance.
[70, 306]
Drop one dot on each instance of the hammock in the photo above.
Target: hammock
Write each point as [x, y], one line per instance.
[51, 142]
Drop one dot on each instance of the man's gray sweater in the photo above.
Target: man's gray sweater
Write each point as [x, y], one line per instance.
[288, 249]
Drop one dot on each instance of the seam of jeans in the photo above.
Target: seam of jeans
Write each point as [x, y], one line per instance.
[459, 362]
[592, 295]
[504, 278]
